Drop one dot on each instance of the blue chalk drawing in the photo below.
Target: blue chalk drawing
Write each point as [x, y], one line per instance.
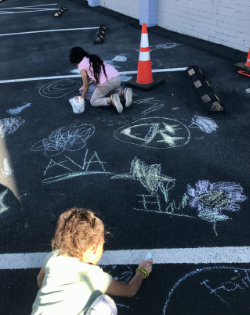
[205, 124]
[17, 110]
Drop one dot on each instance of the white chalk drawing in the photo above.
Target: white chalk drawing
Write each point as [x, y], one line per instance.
[154, 132]
[92, 165]
[7, 171]
[210, 199]
[238, 280]
[68, 138]
[17, 110]
[155, 105]
[28, 9]
[10, 125]
[204, 124]
[59, 88]
[3, 207]
[149, 176]
[162, 46]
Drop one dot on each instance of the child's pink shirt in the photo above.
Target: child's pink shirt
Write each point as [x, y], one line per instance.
[111, 72]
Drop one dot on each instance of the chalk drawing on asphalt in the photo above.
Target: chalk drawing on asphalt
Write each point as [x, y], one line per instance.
[155, 105]
[154, 132]
[211, 199]
[236, 280]
[17, 110]
[92, 165]
[7, 170]
[68, 138]
[3, 207]
[59, 88]
[149, 176]
[118, 58]
[162, 46]
[27, 9]
[10, 125]
[205, 124]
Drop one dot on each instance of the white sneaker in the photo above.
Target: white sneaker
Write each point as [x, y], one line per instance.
[128, 95]
[115, 99]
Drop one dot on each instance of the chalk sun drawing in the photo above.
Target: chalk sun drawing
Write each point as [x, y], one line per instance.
[59, 88]
[3, 207]
[10, 125]
[149, 176]
[92, 165]
[68, 138]
[211, 199]
[239, 280]
[205, 124]
[17, 110]
[154, 132]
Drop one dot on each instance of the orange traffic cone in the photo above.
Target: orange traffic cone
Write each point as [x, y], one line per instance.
[144, 72]
[144, 80]
[248, 60]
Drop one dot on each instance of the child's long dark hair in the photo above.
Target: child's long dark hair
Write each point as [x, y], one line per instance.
[77, 54]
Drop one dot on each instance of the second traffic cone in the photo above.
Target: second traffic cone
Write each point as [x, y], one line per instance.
[244, 67]
[144, 73]
[248, 61]
[144, 80]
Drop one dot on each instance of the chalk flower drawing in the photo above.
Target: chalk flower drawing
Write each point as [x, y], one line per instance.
[211, 199]
[154, 132]
[59, 88]
[3, 207]
[68, 138]
[149, 176]
[204, 124]
[10, 125]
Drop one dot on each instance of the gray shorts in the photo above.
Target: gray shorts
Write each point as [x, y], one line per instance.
[103, 305]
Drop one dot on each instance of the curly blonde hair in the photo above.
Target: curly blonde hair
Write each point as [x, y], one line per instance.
[77, 230]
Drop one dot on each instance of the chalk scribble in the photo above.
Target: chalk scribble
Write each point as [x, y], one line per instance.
[68, 138]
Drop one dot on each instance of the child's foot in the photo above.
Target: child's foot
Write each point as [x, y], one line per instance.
[115, 99]
[128, 96]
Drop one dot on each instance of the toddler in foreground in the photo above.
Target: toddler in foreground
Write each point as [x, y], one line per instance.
[70, 281]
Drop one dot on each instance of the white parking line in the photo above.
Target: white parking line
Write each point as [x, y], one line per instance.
[200, 255]
[78, 75]
[48, 31]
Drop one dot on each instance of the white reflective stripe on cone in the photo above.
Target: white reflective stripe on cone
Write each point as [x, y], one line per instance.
[144, 56]
[144, 41]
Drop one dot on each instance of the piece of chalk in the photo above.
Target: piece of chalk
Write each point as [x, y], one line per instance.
[148, 256]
